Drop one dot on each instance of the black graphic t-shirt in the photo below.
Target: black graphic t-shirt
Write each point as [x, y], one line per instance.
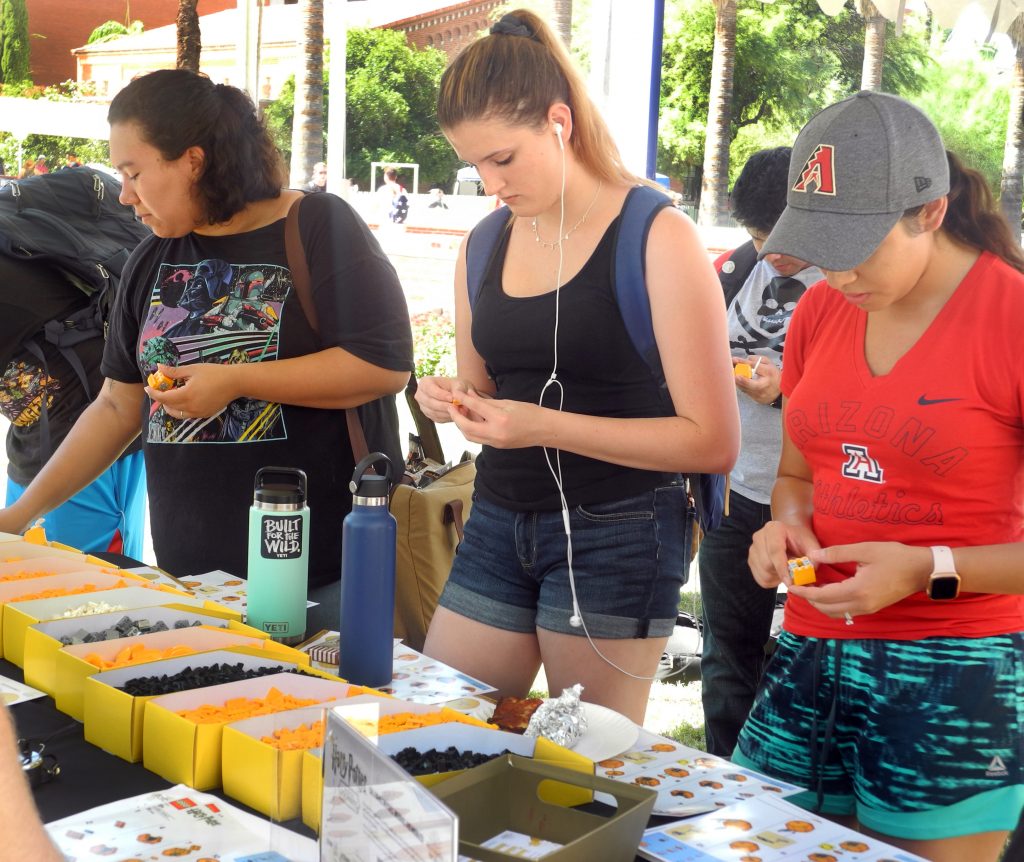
[229, 299]
[30, 295]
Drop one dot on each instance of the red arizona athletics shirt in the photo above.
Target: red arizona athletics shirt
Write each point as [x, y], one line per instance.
[931, 453]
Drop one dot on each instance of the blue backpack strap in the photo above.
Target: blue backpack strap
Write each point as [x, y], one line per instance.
[480, 248]
[642, 204]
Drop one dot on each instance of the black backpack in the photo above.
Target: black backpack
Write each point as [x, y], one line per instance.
[71, 221]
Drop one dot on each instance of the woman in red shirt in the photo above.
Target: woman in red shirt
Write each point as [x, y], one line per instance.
[895, 693]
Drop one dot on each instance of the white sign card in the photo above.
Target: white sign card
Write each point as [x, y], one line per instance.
[177, 822]
[373, 810]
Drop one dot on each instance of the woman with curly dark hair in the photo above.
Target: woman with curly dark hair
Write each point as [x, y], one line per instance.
[209, 301]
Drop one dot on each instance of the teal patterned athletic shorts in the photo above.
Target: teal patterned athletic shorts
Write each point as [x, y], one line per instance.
[925, 740]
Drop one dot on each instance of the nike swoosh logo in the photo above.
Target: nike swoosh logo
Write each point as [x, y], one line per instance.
[925, 402]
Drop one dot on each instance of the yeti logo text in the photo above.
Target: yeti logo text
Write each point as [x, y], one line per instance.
[860, 465]
[819, 170]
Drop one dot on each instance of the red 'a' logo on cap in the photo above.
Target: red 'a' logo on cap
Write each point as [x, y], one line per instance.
[819, 172]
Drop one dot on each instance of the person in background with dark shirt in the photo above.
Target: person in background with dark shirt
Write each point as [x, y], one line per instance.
[318, 182]
[761, 297]
[42, 396]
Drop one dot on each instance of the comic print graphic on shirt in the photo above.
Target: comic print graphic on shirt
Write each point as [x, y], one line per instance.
[759, 315]
[22, 389]
[215, 312]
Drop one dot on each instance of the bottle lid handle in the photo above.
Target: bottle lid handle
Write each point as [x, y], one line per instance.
[366, 465]
[281, 475]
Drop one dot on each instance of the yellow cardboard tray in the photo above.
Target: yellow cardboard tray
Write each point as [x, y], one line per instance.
[18, 616]
[43, 640]
[50, 565]
[71, 669]
[12, 592]
[312, 794]
[466, 737]
[114, 719]
[259, 775]
[184, 752]
[13, 547]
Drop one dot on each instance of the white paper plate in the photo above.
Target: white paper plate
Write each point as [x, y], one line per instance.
[608, 732]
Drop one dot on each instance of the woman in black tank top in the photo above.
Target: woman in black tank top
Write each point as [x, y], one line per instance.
[577, 543]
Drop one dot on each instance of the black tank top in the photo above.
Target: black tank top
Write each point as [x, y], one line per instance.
[600, 370]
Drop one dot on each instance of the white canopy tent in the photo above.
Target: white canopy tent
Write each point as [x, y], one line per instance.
[24, 117]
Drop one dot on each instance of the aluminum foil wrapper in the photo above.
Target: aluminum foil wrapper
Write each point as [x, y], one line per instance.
[560, 719]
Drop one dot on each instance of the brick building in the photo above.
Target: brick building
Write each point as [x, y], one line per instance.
[110, 65]
[56, 27]
[449, 29]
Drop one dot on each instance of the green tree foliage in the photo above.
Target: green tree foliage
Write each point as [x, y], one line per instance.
[113, 30]
[969, 106]
[791, 60]
[392, 91]
[14, 47]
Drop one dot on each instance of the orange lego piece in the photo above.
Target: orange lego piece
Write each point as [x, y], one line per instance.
[801, 570]
[160, 381]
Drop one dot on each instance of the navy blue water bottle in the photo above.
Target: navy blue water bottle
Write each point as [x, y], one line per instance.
[368, 539]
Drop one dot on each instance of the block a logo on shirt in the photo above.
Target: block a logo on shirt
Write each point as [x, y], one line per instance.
[996, 768]
[860, 465]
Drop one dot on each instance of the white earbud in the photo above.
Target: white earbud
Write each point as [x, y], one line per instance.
[558, 134]
[576, 621]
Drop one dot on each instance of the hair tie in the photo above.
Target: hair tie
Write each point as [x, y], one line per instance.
[510, 25]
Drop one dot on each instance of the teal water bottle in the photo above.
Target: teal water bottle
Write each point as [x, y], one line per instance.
[368, 539]
[278, 554]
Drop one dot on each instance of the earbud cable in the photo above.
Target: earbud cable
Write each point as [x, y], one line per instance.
[576, 620]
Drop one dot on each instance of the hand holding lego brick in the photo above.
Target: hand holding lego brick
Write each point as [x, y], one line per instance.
[884, 573]
[773, 546]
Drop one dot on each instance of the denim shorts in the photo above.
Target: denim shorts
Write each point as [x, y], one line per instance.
[925, 741]
[629, 559]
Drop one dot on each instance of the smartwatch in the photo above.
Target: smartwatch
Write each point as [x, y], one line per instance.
[943, 582]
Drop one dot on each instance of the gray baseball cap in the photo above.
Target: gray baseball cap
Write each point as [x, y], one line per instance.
[856, 167]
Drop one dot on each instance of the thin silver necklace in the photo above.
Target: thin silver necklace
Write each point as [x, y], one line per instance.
[572, 230]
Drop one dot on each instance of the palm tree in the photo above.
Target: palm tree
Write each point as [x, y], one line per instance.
[562, 16]
[1011, 186]
[715, 185]
[874, 45]
[189, 41]
[308, 119]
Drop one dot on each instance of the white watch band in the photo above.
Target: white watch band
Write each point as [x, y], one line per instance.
[942, 560]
